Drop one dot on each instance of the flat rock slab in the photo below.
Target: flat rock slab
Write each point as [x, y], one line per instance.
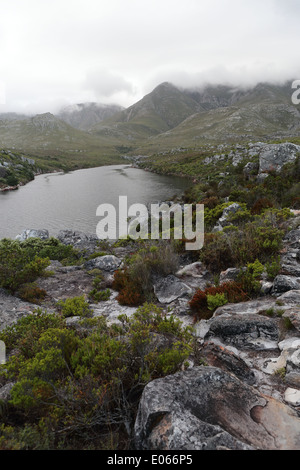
[13, 308]
[245, 332]
[245, 308]
[66, 283]
[111, 309]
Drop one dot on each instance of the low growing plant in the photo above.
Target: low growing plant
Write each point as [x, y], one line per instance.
[73, 307]
[231, 291]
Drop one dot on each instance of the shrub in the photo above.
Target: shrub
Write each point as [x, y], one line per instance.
[73, 307]
[12, 180]
[259, 239]
[130, 293]
[31, 293]
[98, 295]
[134, 282]
[261, 204]
[249, 278]
[77, 390]
[273, 267]
[51, 248]
[98, 292]
[232, 292]
[18, 266]
[24, 334]
[216, 300]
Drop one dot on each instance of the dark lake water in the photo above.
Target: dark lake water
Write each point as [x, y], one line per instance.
[59, 201]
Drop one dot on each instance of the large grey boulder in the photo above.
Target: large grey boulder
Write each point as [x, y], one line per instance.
[283, 283]
[291, 298]
[106, 262]
[85, 243]
[227, 359]
[252, 331]
[204, 408]
[5, 391]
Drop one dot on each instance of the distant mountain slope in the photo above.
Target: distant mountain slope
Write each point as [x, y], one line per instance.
[45, 135]
[263, 112]
[12, 116]
[159, 111]
[86, 115]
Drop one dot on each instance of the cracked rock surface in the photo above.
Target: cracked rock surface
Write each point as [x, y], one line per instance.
[207, 408]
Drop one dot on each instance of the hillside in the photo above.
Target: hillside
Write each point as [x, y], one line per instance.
[55, 142]
[262, 113]
[159, 111]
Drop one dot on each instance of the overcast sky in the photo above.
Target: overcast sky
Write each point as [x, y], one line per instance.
[59, 52]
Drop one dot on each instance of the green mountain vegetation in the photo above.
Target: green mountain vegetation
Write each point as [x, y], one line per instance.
[158, 112]
[262, 113]
[55, 144]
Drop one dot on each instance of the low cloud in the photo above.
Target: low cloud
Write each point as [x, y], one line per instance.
[73, 51]
[239, 75]
[105, 84]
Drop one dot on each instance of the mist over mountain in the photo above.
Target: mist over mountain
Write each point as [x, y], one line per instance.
[86, 115]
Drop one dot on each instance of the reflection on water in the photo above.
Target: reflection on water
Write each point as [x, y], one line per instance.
[60, 201]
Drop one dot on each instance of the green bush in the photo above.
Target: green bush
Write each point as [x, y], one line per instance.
[18, 265]
[216, 300]
[79, 389]
[98, 293]
[250, 277]
[25, 333]
[75, 306]
[259, 239]
[51, 248]
[24, 262]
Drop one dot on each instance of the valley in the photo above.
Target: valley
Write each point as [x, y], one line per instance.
[139, 344]
[167, 123]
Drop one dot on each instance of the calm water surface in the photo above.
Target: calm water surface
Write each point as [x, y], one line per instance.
[59, 201]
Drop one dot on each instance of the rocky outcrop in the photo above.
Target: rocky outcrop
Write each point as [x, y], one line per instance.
[170, 288]
[32, 233]
[272, 157]
[249, 331]
[205, 408]
[81, 241]
[227, 212]
[106, 262]
[12, 309]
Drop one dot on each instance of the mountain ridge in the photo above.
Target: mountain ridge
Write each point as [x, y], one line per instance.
[166, 118]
